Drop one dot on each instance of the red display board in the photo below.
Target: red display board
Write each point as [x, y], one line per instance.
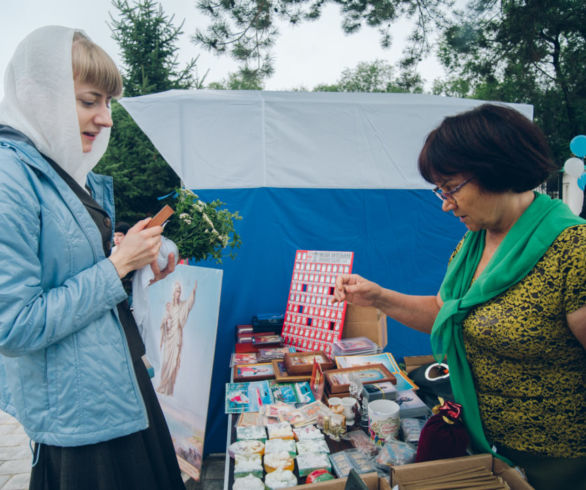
[311, 321]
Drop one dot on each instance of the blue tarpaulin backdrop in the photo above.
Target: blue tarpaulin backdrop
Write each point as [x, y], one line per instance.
[308, 171]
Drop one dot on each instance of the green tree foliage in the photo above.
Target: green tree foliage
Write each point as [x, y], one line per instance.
[147, 39]
[148, 43]
[375, 76]
[243, 79]
[247, 29]
[530, 51]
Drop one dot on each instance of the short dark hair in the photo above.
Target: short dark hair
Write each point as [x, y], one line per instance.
[496, 145]
[122, 227]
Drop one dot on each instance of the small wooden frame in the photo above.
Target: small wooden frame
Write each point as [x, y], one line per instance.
[302, 362]
[282, 376]
[253, 372]
[339, 382]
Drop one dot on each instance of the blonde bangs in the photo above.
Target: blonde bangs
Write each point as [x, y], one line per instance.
[91, 64]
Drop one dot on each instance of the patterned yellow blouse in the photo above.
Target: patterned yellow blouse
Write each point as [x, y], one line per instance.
[529, 369]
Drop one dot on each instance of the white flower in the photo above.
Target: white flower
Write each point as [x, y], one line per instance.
[185, 218]
[209, 222]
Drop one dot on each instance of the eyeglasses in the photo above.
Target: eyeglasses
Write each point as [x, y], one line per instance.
[449, 195]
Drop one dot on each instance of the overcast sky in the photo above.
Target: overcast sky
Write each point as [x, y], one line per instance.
[305, 55]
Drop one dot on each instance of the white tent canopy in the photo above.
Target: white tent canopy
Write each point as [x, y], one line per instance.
[216, 139]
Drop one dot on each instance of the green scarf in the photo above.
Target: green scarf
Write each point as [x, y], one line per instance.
[520, 250]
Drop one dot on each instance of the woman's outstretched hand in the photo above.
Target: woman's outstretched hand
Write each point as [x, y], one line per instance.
[356, 290]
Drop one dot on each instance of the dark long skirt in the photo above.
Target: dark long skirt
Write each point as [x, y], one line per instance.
[144, 460]
[549, 473]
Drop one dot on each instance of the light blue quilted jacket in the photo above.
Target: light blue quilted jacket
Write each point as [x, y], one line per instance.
[65, 368]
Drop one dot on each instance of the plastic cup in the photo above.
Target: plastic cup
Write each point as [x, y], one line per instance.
[349, 403]
[383, 420]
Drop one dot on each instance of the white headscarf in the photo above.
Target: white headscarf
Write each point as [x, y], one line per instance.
[39, 101]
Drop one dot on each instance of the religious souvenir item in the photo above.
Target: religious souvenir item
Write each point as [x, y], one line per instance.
[332, 424]
[444, 434]
[265, 340]
[350, 406]
[275, 412]
[253, 372]
[243, 335]
[268, 354]
[410, 405]
[244, 345]
[318, 381]
[335, 404]
[278, 461]
[246, 447]
[341, 465]
[362, 442]
[247, 397]
[246, 419]
[256, 432]
[411, 429]
[344, 461]
[402, 381]
[356, 388]
[280, 445]
[312, 446]
[248, 482]
[284, 392]
[302, 362]
[280, 479]
[395, 453]
[280, 430]
[339, 381]
[267, 322]
[306, 463]
[243, 358]
[247, 465]
[243, 329]
[354, 346]
[309, 432]
[377, 391]
[305, 415]
[312, 321]
[304, 393]
[282, 376]
[383, 420]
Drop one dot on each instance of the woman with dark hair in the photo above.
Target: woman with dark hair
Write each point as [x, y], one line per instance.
[70, 353]
[511, 312]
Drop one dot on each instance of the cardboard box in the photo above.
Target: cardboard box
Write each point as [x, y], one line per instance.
[443, 467]
[365, 321]
[372, 480]
[413, 362]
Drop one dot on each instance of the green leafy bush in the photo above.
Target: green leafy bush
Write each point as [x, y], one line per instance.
[202, 229]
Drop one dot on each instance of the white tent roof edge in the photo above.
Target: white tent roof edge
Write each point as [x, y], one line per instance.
[219, 139]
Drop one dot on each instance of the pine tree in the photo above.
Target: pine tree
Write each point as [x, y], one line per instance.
[148, 42]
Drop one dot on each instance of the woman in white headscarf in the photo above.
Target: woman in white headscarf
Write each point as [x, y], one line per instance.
[70, 353]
